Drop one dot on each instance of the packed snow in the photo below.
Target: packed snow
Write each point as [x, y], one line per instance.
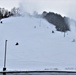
[39, 48]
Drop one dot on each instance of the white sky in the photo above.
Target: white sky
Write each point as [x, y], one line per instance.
[64, 7]
[8, 4]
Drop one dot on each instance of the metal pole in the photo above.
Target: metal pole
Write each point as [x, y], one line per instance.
[40, 23]
[4, 68]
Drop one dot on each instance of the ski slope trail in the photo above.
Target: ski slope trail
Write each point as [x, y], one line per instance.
[39, 48]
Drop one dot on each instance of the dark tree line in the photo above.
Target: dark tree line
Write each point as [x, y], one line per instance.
[4, 13]
[57, 20]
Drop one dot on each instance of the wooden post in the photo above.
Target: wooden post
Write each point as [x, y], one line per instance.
[4, 68]
[64, 34]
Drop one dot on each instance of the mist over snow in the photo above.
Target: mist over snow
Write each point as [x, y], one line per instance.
[72, 10]
[65, 8]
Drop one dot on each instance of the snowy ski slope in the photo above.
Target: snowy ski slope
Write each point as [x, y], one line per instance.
[39, 48]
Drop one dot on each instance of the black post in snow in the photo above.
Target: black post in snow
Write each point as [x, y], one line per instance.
[4, 68]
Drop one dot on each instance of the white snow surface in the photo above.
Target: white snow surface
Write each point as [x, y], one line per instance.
[39, 48]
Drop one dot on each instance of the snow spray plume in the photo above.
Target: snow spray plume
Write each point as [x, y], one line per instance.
[28, 6]
[35, 5]
[71, 13]
[72, 10]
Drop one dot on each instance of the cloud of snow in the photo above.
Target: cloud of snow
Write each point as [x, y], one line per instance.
[65, 8]
[28, 6]
[71, 13]
[45, 5]
[72, 10]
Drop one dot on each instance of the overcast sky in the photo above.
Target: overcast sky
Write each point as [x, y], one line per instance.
[64, 7]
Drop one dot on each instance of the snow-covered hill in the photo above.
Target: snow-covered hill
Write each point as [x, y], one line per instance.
[39, 48]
